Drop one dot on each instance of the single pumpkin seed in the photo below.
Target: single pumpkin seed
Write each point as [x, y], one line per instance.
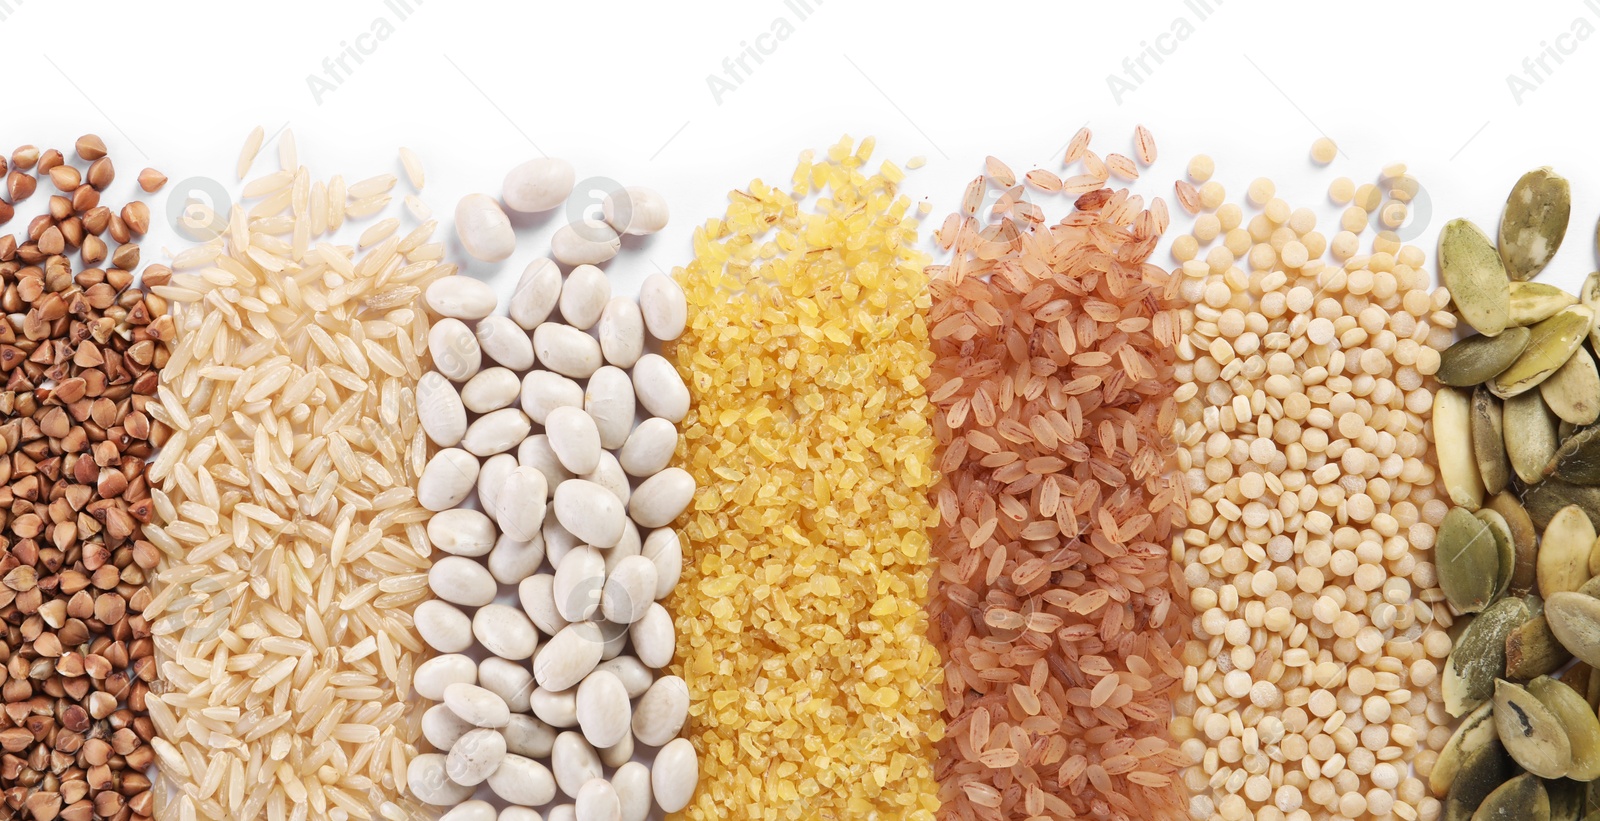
[1468, 560]
[1489, 441]
[1532, 650]
[1452, 437]
[1534, 222]
[1535, 301]
[1578, 721]
[1471, 269]
[1575, 619]
[1474, 731]
[1480, 655]
[1524, 541]
[1578, 459]
[1530, 435]
[1532, 734]
[1521, 799]
[1482, 770]
[1478, 359]
[1547, 497]
[1573, 391]
[1566, 799]
[1552, 343]
[1504, 547]
[1564, 552]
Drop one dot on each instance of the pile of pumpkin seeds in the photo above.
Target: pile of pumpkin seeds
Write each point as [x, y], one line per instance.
[1518, 448]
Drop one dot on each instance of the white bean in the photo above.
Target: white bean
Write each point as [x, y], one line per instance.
[484, 230]
[492, 479]
[536, 293]
[590, 512]
[661, 711]
[635, 677]
[439, 672]
[442, 727]
[616, 639]
[491, 390]
[511, 561]
[579, 579]
[632, 783]
[454, 349]
[528, 736]
[653, 638]
[521, 503]
[608, 399]
[603, 710]
[538, 598]
[477, 706]
[497, 432]
[505, 342]
[558, 541]
[544, 391]
[665, 309]
[563, 812]
[574, 763]
[628, 546]
[585, 242]
[574, 437]
[664, 550]
[649, 448]
[474, 756]
[567, 657]
[659, 388]
[635, 210]
[443, 627]
[460, 580]
[430, 783]
[676, 772]
[566, 350]
[583, 296]
[470, 811]
[461, 531]
[596, 801]
[523, 781]
[619, 753]
[535, 452]
[557, 708]
[512, 682]
[447, 479]
[538, 185]
[514, 813]
[659, 499]
[629, 590]
[610, 475]
[504, 631]
[440, 410]
[621, 332]
[461, 297]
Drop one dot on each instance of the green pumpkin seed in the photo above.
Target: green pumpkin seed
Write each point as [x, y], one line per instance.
[1524, 541]
[1532, 734]
[1532, 650]
[1564, 552]
[1489, 441]
[1521, 799]
[1552, 343]
[1575, 619]
[1573, 391]
[1474, 731]
[1472, 270]
[1547, 497]
[1530, 435]
[1452, 437]
[1478, 359]
[1578, 459]
[1482, 770]
[1534, 222]
[1468, 560]
[1534, 301]
[1577, 719]
[1504, 546]
[1480, 655]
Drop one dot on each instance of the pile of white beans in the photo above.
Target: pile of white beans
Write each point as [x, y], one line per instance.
[566, 686]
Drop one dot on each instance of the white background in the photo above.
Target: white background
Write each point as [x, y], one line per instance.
[620, 89]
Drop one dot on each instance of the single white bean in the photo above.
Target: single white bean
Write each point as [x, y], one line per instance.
[603, 710]
[461, 297]
[460, 580]
[628, 546]
[574, 437]
[635, 677]
[579, 580]
[523, 781]
[558, 541]
[511, 681]
[454, 349]
[590, 512]
[511, 561]
[431, 784]
[635, 210]
[439, 672]
[567, 350]
[442, 727]
[664, 550]
[621, 332]
[535, 452]
[619, 753]
[649, 448]
[528, 736]
[484, 230]
[474, 756]
[443, 627]
[477, 706]
[597, 801]
[659, 499]
[661, 711]
[477, 810]
[557, 708]
[660, 389]
[515, 813]
[497, 432]
[675, 775]
[536, 293]
[461, 531]
[608, 399]
[665, 308]
[585, 242]
[653, 638]
[632, 783]
[567, 657]
[505, 342]
[504, 631]
[539, 185]
[583, 296]
[440, 410]
[574, 763]
[563, 812]
[610, 475]
[492, 479]
[629, 590]
[538, 597]
[616, 639]
[544, 391]
[520, 504]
